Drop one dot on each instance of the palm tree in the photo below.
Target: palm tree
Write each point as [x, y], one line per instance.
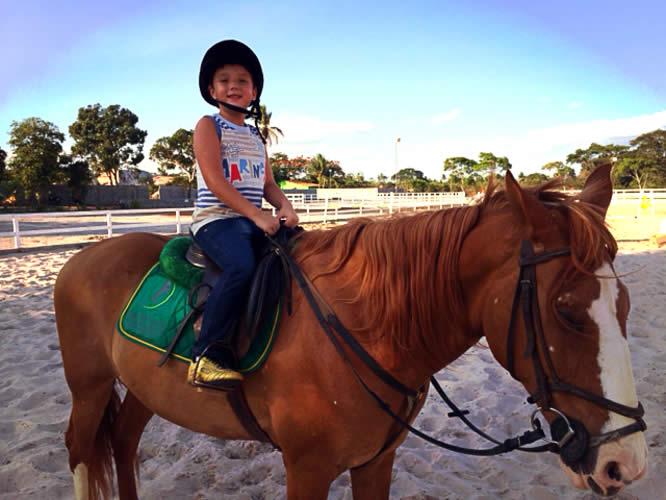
[318, 169]
[326, 173]
[270, 133]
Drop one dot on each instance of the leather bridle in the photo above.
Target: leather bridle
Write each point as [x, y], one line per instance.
[570, 437]
[569, 434]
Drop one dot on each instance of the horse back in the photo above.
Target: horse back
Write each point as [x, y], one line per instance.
[90, 291]
[110, 267]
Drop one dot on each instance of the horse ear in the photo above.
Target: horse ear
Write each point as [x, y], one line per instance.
[525, 206]
[598, 188]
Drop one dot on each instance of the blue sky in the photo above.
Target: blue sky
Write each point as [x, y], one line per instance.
[529, 80]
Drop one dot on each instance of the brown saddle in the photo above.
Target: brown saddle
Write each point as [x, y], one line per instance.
[270, 280]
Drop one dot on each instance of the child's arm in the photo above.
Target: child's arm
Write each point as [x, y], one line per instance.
[208, 154]
[277, 198]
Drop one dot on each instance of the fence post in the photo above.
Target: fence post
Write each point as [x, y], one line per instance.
[17, 235]
[391, 203]
[177, 221]
[325, 208]
[109, 229]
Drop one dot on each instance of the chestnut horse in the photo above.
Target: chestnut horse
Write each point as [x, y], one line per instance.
[416, 292]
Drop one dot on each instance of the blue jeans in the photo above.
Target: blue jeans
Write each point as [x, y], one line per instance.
[230, 244]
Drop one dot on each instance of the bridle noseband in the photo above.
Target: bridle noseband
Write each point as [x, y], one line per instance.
[569, 434]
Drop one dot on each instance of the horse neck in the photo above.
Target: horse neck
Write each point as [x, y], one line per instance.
[407, 303]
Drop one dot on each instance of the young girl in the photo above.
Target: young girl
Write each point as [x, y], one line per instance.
[233, 175]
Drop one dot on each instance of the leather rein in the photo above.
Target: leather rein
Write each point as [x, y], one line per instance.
[570, 438]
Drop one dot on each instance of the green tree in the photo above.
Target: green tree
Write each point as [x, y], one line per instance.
[646, 161]
[285, 168]
[279, 166]
[269, 132]
[3, 158]
[595, 155]
[488, 163]
[78, 176]
[436, 186]
[36, 149]
[560, 169]
[382, 179]
[405, 178]
[532, 179]
[326, 173]
[456, 169]
[418, 185]
[355, 180]
[176, 152]
[108, 138]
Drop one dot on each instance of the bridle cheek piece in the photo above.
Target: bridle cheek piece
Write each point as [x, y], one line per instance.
[570, 438]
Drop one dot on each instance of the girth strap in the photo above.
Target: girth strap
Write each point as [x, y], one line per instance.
[239, 404]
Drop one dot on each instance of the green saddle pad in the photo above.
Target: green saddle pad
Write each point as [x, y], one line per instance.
[155, 310]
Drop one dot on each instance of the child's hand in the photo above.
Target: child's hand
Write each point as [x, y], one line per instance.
[289, 215]
[267, 223]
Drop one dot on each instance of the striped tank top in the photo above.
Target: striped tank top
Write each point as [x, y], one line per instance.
[243, 164]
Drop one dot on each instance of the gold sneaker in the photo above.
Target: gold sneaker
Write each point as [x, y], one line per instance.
[207, 373]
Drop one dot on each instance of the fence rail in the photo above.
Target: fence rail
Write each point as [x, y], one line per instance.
[82, 226]
[96, 224]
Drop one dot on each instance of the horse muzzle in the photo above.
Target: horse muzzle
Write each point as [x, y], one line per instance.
[601, 463]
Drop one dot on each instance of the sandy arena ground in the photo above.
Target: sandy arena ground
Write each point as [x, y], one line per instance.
[176, 463]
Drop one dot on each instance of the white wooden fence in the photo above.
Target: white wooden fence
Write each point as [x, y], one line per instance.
[641, 200]
[97, 224]
[70, 227]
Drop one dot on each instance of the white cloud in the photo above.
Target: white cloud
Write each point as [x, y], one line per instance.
[584, 133]
[446, 117]
[575, 105]
[530, 150]
[303, 129]
[362, 148]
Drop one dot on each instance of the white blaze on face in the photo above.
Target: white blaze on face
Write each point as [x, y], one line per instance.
[617, 379]
[626, 457]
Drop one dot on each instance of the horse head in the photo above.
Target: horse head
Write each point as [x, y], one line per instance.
[537, 275]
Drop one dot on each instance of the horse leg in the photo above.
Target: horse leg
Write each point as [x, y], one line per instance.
[127, 429]
[373, 480]
[88, 435]
[309, 479]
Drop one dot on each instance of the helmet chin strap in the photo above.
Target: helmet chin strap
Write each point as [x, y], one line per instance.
[249, 113]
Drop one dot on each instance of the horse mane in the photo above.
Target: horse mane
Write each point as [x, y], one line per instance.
[405, 268]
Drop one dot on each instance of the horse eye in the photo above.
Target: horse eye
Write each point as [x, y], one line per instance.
[568, 314]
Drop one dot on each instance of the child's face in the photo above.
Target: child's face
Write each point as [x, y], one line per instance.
[232, 83]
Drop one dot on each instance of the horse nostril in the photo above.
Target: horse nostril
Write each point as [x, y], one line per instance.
[613, 471]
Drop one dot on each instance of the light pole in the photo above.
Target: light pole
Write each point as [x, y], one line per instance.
[395, 175]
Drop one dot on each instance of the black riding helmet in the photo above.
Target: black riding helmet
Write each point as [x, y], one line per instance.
[230, 52]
